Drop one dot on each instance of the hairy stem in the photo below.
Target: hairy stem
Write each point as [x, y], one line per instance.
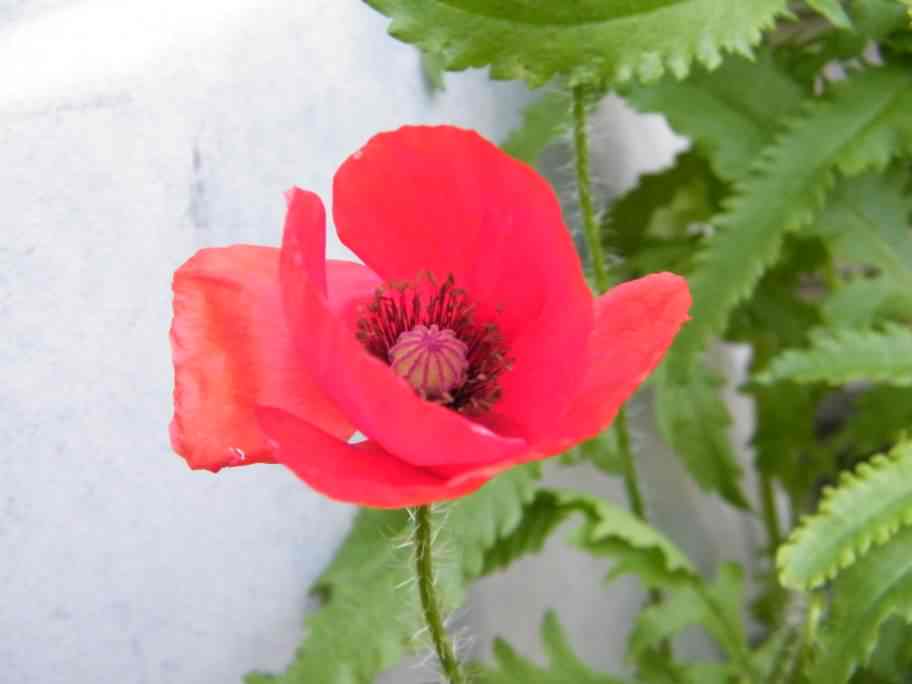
[631, 480]
[429, 606]
[584, 188]
[597, 258]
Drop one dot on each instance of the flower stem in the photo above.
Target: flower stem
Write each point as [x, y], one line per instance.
[597, 257]
[584, 187]
[631, 481]
[429, 606]
[770, 514]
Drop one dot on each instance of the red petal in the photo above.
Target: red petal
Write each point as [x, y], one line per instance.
[232, 350]
[361, 473]
[635, 324]
[445, 200]
[379, 403]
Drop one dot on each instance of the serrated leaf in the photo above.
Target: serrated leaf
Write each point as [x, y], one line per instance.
[860, 126]
[545, 119]
[867, 508]
[370, 608]
[433, 68]
[716, 607]
[867, 222]
[844, 355]
[694, 420]
[729, 119]
[833, 11]
[864, 596]
[563, 666]
[858, 303]
[606, 530]
[587, 40]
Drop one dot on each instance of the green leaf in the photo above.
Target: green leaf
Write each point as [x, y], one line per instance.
[864, 596]
[587, 40]
[785, 441]
[729, 118]
[861, 125]
[603, 451]
[716, 607]
[881, 416]
[370, 610]
[545, 119]
[563, 666]
[859, 303]
[866, 509]
[637, 215]
[606, 530]
[694, 420]
[433, 68]
[844, 355]
[867, 222]
[832, 10]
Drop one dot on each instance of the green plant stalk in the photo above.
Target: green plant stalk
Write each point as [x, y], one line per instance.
[770, 514]
[429, 605]
[597, 259]
[584, 188]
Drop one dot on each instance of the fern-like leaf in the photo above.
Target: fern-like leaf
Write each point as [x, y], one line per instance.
[861, 124]
[864, 596]
[587, 40]
[832, 10]
[694, 421]
[868, 222]
[563, 666]
[717, 607]
[729, 119]
[846, 355]
[866, 509]
[606, 530]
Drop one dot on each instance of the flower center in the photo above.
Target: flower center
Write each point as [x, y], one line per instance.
[433, 361]
[429, 336]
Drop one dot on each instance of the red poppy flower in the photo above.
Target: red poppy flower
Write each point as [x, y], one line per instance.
[468, 342]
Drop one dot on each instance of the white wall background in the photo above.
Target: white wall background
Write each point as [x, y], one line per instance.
[131, 134]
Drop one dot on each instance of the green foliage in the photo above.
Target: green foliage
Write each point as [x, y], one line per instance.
[717, 607]
[729, 118]
[832, 10]
[867, 508]
[868, 222]
[563, 664]
[545, 119]
[606, 531]
[857, 128]
[369, 614]
[587, 41]
[602, 451]
[694, 421]
[846, 356]
[876, 587]
[652, 224]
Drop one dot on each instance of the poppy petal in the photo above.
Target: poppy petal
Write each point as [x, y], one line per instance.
[635, 324]
[379, 403]
[445, 200]
[231, 350]
[360, 473]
